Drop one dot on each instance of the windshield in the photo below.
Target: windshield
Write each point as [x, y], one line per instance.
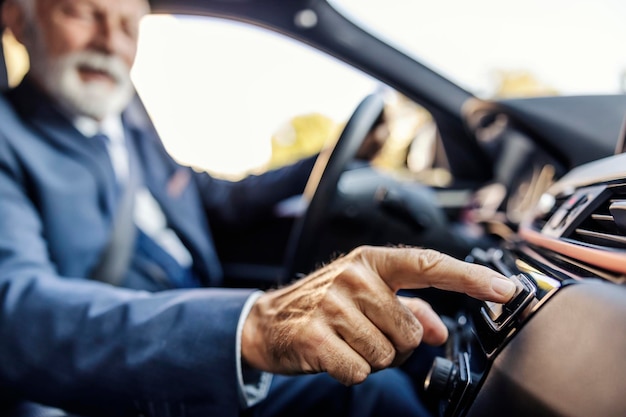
[514, 48]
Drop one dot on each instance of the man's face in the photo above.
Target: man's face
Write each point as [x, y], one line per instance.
[82, 51]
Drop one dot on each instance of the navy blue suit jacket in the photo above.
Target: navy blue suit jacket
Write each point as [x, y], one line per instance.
[88, 346]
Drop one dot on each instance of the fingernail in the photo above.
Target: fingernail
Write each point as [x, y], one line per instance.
[503, 286]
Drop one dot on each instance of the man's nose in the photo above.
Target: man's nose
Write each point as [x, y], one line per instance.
[109, 38]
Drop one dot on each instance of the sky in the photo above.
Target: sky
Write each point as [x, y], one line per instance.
[577, 46]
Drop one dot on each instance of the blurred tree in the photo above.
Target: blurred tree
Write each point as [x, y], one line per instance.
[302, 136]
[521, 83]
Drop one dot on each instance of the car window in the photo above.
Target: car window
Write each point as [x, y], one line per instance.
[224, 94]
[231, 99]
[505, 49]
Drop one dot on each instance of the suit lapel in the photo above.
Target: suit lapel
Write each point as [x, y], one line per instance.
[171, 185]
[181, 210]
[43, 116]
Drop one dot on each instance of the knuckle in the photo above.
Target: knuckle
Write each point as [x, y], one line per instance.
[420, 308]
[333, 305]
[347, 372]
[363, 252]
[378, 353]
[427, 259]
[470, 280]
[356, 375]
[351, 274]
[468, 271]
[384, 360]
[413, 337]
[357, 282]
[358, 378]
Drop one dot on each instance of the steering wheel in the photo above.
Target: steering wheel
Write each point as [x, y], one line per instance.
[322, 184]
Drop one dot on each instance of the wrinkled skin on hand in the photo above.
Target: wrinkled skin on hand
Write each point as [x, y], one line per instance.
[346, 319]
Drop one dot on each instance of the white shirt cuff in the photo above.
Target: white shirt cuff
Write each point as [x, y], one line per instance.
[253, 384]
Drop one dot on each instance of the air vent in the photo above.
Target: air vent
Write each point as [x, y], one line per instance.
[588, 230]
[541, 220]
[571, 212]
[605, 226]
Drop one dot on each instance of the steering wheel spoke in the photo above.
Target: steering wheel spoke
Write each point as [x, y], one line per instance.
[322, 184]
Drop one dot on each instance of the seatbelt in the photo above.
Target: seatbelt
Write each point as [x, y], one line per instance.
[116, 257]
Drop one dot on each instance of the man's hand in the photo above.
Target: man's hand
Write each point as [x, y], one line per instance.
[347, 320]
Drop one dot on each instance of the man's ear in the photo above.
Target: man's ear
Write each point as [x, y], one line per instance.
[14, 18]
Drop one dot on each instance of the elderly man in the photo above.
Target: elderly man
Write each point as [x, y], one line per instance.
[105, 243]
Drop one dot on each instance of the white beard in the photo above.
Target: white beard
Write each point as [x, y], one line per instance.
[95, 99]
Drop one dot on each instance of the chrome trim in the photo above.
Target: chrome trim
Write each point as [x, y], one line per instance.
[514, 314]
[602, 217]
[604, 236]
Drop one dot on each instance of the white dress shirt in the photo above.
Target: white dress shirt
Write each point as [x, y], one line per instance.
[147, 213]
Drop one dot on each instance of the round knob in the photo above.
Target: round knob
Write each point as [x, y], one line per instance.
[440, 379]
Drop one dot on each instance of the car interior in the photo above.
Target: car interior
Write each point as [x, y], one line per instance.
[4, 78]
[541, 179]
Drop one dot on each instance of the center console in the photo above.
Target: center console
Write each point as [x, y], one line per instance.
[557, 348]
[478, 335]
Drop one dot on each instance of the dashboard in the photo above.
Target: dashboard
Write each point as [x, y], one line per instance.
[557, 348]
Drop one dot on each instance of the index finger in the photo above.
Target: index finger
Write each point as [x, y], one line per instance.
[412, 268]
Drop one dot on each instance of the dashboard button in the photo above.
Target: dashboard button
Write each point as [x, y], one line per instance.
[441, 377]
[501, 316]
